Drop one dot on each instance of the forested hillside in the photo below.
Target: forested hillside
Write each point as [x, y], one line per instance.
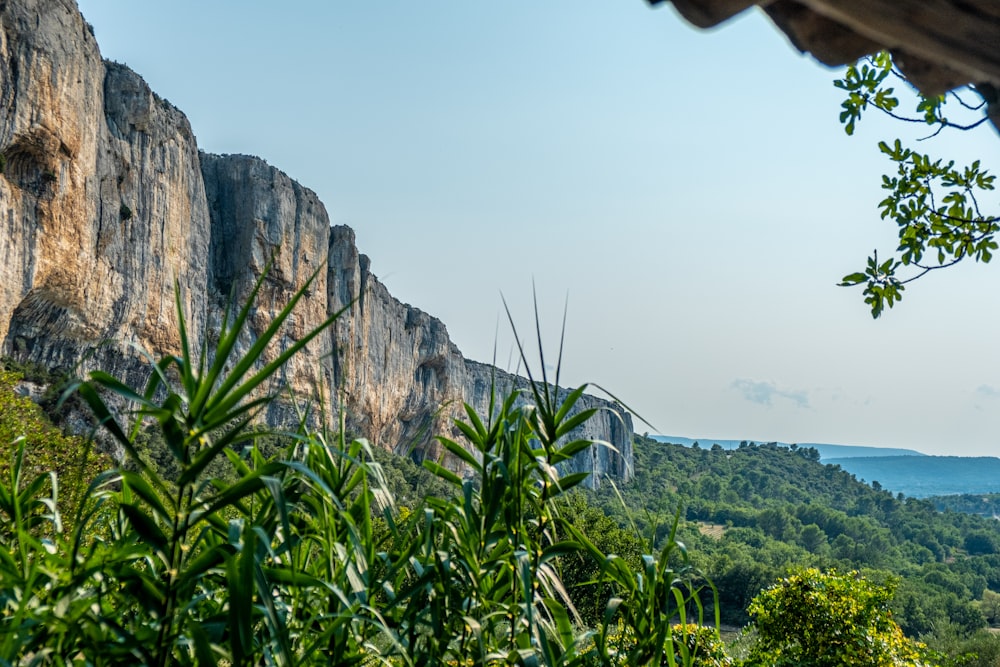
[983, 504]
[826, 451]
[752, 513]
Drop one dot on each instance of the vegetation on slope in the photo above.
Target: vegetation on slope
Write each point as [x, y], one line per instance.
[46, 447]
[983, 504]
[755, 512]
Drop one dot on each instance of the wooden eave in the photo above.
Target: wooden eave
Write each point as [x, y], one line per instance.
[938, 44]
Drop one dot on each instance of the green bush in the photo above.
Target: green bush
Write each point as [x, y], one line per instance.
[956, 648]
[694, 645]
[817, 619]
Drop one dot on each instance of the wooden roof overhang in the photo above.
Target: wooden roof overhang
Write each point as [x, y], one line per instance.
[938, 44]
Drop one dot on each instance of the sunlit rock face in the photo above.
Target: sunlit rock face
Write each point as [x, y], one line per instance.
[108, 209]
[103, 205]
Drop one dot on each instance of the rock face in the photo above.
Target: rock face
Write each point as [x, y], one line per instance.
[105, 201]
[102, 200]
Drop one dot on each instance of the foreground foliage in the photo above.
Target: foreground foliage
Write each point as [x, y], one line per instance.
[303, 557]
[240, 547]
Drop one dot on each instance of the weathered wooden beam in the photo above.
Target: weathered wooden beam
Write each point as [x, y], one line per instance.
[938, 44]
[961, 35]
[828, 41]
[991, 95]
[930, 78]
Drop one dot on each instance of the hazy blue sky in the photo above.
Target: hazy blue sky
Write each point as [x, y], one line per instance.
[691, 192]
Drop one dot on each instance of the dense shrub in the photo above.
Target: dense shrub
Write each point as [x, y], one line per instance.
[817, 619]
[694, 645]
[46, 447]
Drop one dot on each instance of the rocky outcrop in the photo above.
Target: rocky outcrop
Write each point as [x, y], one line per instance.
[106, 203]
[395, 366]
[263, 221]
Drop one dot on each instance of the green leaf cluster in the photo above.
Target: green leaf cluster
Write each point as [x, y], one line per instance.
[863, 82]
[935, 205]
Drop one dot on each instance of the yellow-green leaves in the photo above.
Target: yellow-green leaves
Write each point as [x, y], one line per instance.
[828, 619]
[863, 81]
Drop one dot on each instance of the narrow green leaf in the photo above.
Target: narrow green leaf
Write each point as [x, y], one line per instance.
[146, 527]
[240, 583]
[442, 472]
[154, 497]
[567, 482]
[568, 403]
[572, 422]
[459, 451]
[560, 549]
[241, 489]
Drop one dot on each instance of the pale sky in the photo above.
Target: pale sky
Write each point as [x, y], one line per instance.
[691, 193]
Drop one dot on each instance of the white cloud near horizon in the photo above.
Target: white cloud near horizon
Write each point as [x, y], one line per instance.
[764, 393]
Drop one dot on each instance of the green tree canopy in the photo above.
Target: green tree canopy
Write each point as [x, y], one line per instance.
[817, 619]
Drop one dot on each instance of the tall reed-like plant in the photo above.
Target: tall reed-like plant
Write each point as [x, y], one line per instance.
[303, 558]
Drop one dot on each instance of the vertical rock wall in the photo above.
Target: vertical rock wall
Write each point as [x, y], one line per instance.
[396, 368]
[102, 200]
[105, 202]
[264, 221]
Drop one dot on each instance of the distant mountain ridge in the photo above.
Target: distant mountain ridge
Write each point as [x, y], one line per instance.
[922, 476]
[906, 471]
[825, 451]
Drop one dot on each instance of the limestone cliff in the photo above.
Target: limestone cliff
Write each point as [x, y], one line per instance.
[102, 200]
[105, 201]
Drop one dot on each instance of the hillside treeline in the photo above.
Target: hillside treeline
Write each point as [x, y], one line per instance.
[752, 513]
